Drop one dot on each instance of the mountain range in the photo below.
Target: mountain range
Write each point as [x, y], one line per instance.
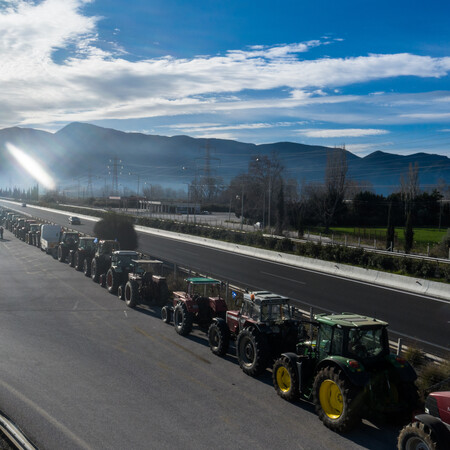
[79, 152]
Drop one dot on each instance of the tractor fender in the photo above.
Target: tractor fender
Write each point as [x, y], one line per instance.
[218, 319]
[438, 428]
[403, 368]
[358, 377]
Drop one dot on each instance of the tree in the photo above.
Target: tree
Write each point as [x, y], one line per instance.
[115, 226]
[328, 198]
[390, 232]
[409, 186]
[409, 233]
[280, 211]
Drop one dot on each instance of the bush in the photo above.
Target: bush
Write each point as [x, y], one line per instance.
[120, 227]
[284, 245]
[415, 356]
[435, 374]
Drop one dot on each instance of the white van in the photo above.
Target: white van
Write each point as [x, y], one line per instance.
[50, 237]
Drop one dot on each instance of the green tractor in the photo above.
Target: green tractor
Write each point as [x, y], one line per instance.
[345, 367]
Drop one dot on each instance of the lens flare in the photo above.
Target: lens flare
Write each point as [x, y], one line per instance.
[31, 166]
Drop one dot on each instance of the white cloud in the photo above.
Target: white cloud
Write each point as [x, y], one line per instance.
[349, 132]
[52, 71]
[427, 116]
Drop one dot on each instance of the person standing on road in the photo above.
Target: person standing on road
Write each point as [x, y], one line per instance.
[1, 233]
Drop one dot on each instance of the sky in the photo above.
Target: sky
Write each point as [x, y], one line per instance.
[370, 75]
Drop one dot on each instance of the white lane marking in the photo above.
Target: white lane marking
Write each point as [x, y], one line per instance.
[126, 315]
[76, 304]
[283, 278]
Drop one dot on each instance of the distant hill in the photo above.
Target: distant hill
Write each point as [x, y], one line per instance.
[79, 148]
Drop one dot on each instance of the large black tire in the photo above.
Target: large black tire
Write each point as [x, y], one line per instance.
[182, 319]
[252, 351]
[416, 435]
[336, 400]
[87, 267]
[62, 254]
[285, 379]
[95, 273]
[219, 337]
[112, 281]
[131, 293]
[166, 314]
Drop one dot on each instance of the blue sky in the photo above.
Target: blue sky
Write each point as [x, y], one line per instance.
[372, 75]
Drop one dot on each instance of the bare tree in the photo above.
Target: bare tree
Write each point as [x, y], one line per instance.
[409, 185]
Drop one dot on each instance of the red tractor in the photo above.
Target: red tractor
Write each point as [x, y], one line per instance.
[144, 285]
[263, 328]
[200, 304]
[429, 431]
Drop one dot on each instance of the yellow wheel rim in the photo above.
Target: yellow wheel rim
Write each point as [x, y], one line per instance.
[331, 401]
[283, 379]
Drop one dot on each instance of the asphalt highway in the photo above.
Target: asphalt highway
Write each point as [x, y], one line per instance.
[81, 370]
[418, 320]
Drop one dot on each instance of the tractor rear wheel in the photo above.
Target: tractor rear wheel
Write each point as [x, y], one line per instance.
[252, 351]
[182, 319]
[131, 294]
[219, 337]
[95, 273]
[112, 281]
[166, 314]
[285, 379]
[416, 436]
[336, 400]
[87, 267]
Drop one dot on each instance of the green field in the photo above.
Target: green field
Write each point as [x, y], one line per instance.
[422, 236]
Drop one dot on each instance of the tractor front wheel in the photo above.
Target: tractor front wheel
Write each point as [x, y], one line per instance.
[336, 400]
[166, 314]
[61, 254]
[416, 436]
[95, 273]
[182, 319]
[285, 379]
[252, 351]
[219, 337]
[87, 267]
[112, 281]
[78, 262]
[131, 294]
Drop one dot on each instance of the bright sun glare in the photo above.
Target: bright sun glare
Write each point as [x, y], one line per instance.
[31, 166]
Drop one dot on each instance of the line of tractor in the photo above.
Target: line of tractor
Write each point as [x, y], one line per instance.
[339, 362]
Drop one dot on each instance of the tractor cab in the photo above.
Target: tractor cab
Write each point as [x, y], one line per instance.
[202, 287]
[107, 247]
[86, 243]
[351, 336]
[152, 267]
[123, 260]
